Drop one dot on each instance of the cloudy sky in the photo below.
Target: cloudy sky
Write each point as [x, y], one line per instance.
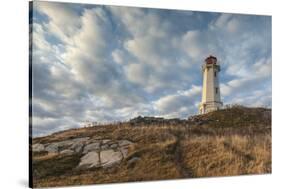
[110, 63]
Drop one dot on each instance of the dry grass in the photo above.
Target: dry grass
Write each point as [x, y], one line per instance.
[228, 155]
[230, 142]
[44, 156]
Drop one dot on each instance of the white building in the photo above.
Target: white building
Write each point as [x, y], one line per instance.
[211, 99]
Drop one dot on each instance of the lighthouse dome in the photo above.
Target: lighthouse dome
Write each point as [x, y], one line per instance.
[211, 60]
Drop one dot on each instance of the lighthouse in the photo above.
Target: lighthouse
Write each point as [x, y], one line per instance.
[211, 99]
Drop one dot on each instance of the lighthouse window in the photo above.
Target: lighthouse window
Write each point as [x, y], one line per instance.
[215, 74]
[216, 89]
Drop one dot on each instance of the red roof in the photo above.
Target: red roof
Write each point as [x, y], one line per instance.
[211, 60]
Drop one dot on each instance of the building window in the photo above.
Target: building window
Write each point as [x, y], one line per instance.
[217, 90]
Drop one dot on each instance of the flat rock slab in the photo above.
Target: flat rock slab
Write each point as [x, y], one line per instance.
[104, 146]
[78, 143]
[114, 145]
[89, 160]
[105, 141]
[67, 152]
[110, 157]
[73, 144]
[52, 148]
[91, 147]
[74, 141]
[124, 143]
[38, 147]
[133, 160]
[124, 150]
[77, 147]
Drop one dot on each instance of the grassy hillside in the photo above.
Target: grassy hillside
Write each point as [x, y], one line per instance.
[234, 141]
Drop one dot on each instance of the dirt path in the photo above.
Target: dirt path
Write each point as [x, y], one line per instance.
[179, 158]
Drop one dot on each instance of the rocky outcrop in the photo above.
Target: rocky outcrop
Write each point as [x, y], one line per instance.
[57, 147]
[104, 153]
[95, 153]
[156, 121]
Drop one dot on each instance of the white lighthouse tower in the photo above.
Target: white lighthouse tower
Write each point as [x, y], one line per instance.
[211, 99]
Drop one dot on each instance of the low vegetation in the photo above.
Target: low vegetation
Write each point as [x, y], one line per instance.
[233, 141]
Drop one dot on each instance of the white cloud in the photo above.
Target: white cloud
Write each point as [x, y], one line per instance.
[179, 104]
[258, 98]
[118, 56]
[200, 44]
[44, 126]
[226, 22]
[137, 73]
[233, 25]
[193, 44]
[154, 49]
[262, 68]
[222, 20]
[256, 73]
[64, 21]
